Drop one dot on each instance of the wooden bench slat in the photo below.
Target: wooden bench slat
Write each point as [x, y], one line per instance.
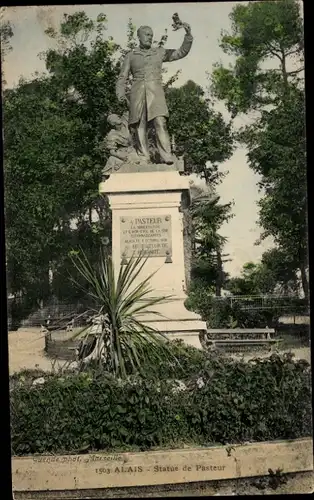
[240, 330]
[245, 341]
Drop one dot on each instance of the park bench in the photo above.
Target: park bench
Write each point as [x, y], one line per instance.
[221, 338]
[65, 323]
[57, 337]
[57, 324]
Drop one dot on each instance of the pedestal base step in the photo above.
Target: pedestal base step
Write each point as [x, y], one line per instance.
[188, 330]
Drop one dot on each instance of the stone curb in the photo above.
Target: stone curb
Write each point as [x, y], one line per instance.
[114, 470]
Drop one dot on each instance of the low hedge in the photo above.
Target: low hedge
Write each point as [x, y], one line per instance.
[227, 402]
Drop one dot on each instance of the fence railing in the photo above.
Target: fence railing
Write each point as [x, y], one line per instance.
[57, 311]
[60, 311]
[258, 302]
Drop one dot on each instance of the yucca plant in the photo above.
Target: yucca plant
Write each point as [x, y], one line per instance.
[122, 343]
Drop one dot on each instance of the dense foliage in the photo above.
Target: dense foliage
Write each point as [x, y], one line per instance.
[201, 134]
[273, 275]
[267, 81]
[207, 215]
[248, 306]
[222, 313]
[6, 34]
[220, 402]
[259, 32]
[50, 147]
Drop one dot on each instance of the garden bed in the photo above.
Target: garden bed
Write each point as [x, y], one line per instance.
[209, 419]
[208, 401]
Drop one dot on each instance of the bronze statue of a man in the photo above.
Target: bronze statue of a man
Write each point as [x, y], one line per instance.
[147, 101]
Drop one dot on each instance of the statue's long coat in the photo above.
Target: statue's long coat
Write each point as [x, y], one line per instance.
[145, 67]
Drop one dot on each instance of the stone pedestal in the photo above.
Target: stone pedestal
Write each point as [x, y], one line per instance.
[146, 215]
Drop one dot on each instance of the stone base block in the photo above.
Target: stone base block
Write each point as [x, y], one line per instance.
[147, 214]
[187, 330]
[174, 320]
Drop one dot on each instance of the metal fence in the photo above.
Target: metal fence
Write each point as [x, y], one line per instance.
[58, 312]
[262, 302]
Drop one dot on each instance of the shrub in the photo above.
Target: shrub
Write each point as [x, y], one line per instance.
[220, 313]
[227, 402]
[265, 399]
[189, 362]
[200, 299]
[255, 318]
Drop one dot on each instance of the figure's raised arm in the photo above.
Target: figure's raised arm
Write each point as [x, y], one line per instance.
[122, 78]
[176, 54]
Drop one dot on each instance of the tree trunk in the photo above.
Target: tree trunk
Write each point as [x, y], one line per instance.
[284, 75]
[219, 280]
[304, 280]
[284, 72]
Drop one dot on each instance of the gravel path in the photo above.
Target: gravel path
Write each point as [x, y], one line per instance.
[26, 351]
[299, 353]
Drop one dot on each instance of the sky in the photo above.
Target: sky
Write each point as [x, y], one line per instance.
[206, 20]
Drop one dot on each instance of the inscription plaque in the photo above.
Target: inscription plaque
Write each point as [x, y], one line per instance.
[150, 234]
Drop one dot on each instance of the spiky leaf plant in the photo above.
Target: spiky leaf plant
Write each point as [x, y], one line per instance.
[122, 343]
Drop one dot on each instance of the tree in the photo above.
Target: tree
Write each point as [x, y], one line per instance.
[200, 133]
[277, 153]
[58, 163]
[255, 279]
[273, 275]
[260, 32]
[6, 33]
[207, 216]
[276, 139]
[280, 267]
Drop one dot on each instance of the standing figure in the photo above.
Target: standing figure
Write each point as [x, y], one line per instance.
[147, 101]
